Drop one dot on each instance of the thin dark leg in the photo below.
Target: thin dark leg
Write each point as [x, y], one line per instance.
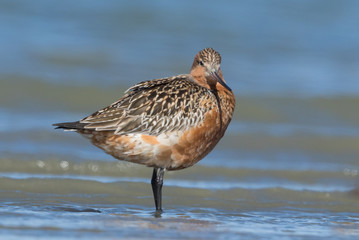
[157, 182]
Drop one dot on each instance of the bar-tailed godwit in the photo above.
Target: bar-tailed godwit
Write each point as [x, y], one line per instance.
[167, 123]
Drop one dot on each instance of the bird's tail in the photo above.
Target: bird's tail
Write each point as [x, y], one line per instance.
[70, 126]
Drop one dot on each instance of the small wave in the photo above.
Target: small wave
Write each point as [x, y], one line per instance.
[209, 185]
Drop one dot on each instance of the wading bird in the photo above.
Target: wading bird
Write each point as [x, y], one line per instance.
[167, 123]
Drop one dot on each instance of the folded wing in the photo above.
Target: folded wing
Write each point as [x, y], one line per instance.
[152, 107]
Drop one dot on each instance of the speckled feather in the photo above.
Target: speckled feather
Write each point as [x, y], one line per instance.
[153, 107]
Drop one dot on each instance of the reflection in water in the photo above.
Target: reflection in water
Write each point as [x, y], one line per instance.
[74, 210]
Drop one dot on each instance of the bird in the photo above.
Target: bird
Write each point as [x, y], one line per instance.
[167, 123]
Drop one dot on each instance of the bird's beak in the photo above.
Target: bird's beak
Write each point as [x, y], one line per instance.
[220, 80]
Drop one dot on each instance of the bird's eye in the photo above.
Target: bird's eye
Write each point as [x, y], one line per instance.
[200, 62]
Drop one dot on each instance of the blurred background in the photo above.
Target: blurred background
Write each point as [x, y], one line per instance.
[293, 144]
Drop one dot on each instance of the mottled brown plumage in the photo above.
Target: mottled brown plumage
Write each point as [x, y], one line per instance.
[168, 123]
[152, 108]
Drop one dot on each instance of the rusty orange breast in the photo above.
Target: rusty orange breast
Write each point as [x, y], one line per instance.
[197, 142]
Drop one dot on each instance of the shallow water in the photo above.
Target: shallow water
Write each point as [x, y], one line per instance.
[287, 168]
[97, 199]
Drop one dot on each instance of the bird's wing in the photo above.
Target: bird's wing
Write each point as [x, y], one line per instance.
[154, 107]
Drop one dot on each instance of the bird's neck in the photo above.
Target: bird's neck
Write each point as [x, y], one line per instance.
[227, 102]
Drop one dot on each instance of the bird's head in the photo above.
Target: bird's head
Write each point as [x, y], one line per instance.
[206, 69]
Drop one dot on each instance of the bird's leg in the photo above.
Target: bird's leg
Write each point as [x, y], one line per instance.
[157, 182]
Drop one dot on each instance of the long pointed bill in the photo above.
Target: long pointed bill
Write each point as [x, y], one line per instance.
[220, 80]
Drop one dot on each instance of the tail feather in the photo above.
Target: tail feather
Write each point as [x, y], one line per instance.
[70, 125]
